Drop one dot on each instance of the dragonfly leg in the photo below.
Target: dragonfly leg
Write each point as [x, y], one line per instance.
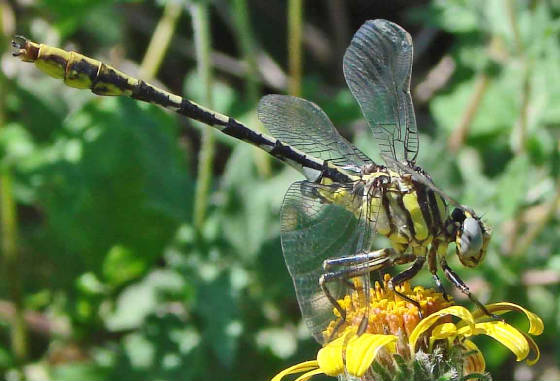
[440, 287]
[352, 268]
[334, 302]
[458, 282]
[355, 259]
[344, 274]
[349, 284]
[432, 264]
[355, 267]
[406, 275]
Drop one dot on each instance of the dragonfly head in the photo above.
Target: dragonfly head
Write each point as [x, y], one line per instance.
[471, 238]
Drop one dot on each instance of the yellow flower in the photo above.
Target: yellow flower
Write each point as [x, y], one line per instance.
[395, 328]
[469, 325]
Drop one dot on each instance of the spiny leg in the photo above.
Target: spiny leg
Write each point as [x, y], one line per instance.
[375, 260]
[458, 282]
[354, 259]
[407, 275]
[359, 265]
[364, 321]
[432, 264]
[440, 287]
[334, 302]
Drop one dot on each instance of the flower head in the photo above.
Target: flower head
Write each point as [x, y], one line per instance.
[394, 328]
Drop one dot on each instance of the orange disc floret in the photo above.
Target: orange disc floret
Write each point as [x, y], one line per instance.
[388, 312]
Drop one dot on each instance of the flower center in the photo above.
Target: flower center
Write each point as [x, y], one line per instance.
[388, 312]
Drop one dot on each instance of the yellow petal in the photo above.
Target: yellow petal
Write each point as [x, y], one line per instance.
[506, 334]
[473, 363]
[534, 348]
[362, 350]
[426, 323]
[308, 375]
[443, 331]
[330, 358]
[536, 325]
[298, 368]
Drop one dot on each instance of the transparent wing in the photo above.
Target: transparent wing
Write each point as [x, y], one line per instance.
[303, 125]
[312, 231]
[377, 68]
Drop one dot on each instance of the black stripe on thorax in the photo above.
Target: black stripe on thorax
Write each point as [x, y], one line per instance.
[385, 202]
[423, 202]
[435, 210]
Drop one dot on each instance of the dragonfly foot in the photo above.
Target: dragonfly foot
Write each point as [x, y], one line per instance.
[363, 325]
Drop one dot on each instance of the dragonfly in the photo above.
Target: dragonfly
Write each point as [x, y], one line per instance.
[329, 219]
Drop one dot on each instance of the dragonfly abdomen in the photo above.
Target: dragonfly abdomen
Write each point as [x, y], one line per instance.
[79, 71]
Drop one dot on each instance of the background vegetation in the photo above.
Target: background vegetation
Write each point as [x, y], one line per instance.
[109, 271]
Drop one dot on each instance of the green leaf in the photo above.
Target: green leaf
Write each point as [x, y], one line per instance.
[217, 305]
[253, 203]
[78, 371]
[115, 176]
[122, 265]
[513, 186]
[456, 16]
[140, 300]
[15, 144]
[498, 109]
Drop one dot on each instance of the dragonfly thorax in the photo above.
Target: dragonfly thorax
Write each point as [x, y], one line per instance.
[405, 211]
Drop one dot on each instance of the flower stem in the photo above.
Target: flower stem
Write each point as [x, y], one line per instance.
[9, 233]
[201, 24]
[295, 17]
[249, 51]
[160, 40]
[11, 263]
[457, 138]
[247, 45]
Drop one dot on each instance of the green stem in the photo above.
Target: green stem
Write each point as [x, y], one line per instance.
[526, 91]
[201, 24]
[11, 264]
[249, 51]
[160, 40]
[460, 132]
[512, 16]
[295, 17]
[524, 112]
[523, 243]
[9, 235]
[247, 45]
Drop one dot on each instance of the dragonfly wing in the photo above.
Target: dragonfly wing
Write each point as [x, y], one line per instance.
[303, 125]
[312, 231]
[377, 68]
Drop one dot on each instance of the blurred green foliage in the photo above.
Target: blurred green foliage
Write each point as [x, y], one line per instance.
[115, 281]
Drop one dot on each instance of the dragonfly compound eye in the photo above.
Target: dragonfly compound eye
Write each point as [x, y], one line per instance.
[470, 241]
[458, 215]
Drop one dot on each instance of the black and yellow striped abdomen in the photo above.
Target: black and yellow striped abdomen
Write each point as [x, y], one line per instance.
[79, 71]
